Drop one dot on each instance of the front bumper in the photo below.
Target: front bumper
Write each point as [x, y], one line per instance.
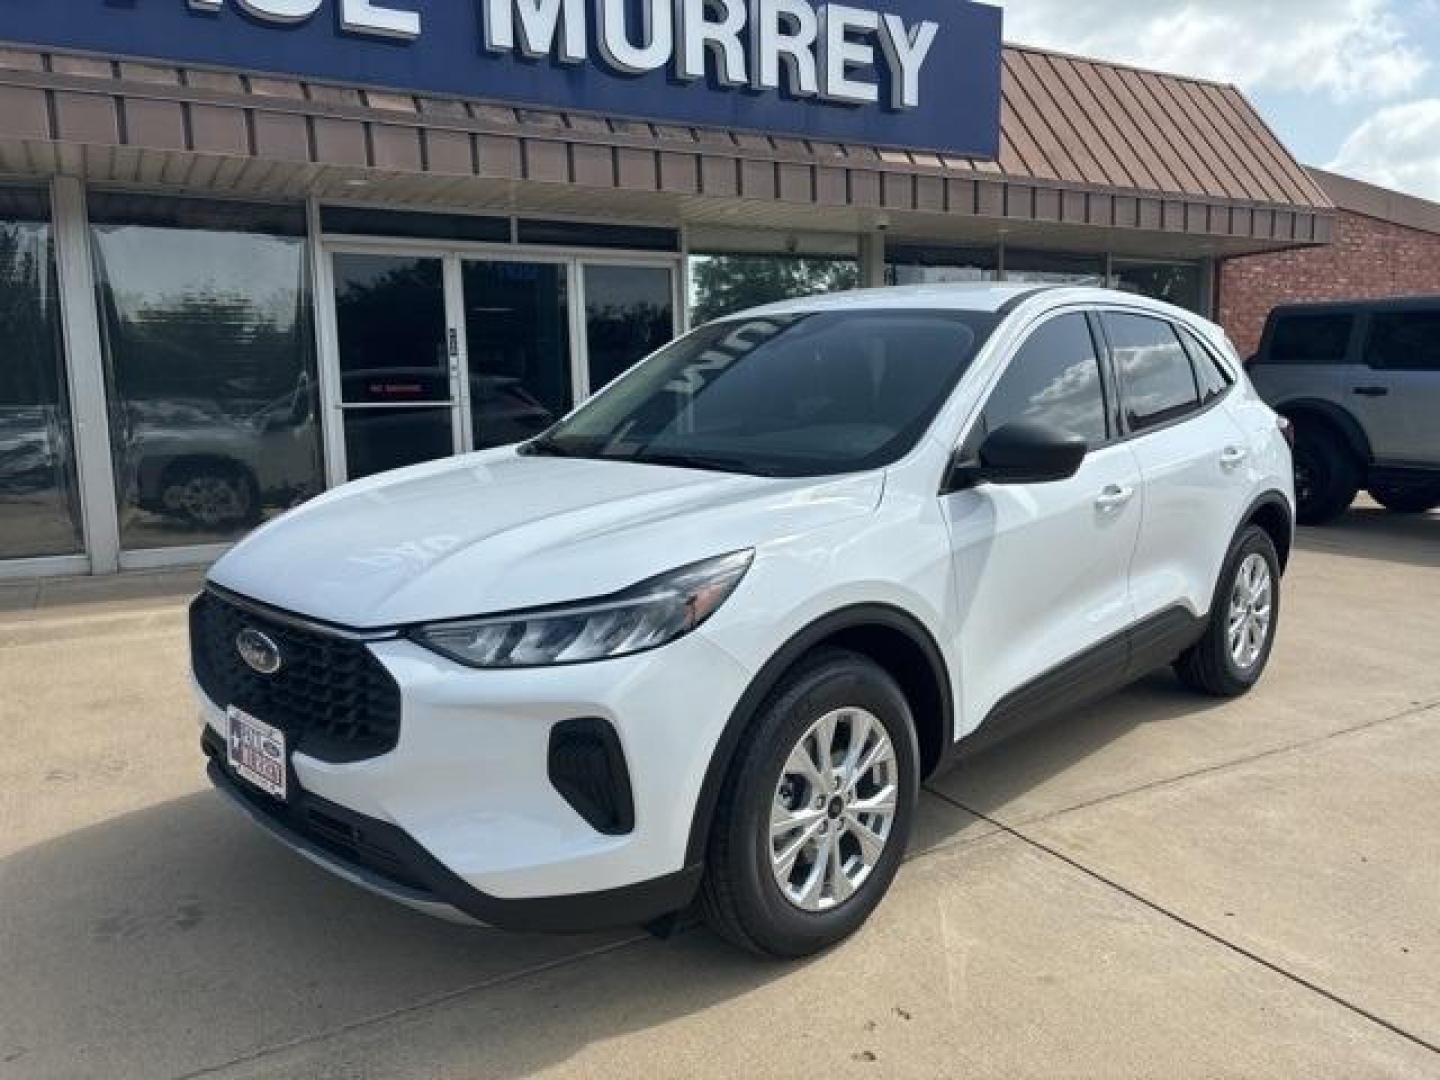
[383, 859]
[465, 813]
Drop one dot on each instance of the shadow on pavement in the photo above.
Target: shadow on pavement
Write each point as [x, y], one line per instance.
[999, 774]
[1368, 532]
[179, 936]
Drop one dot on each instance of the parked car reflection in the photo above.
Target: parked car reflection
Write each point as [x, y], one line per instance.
[213, 469]
[194, 461]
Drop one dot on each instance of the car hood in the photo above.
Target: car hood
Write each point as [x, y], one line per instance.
[497, 531]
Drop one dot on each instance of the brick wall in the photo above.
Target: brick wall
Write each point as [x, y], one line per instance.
[1369, 258]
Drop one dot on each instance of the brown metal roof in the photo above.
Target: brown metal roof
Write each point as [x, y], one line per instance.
[1083, 121]
[1084, 144]
[1371, 200]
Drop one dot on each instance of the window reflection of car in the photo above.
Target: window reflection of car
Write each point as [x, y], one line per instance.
[192, 460]
[32, 449]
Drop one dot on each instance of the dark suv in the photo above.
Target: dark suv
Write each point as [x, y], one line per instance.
[1360, 380]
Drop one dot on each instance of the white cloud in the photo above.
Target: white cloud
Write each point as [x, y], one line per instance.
[1398, 147]
[1350, 50]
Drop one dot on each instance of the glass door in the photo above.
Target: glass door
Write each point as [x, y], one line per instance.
[516, 347]
[398, 360]
[629, 313]
[438, 351]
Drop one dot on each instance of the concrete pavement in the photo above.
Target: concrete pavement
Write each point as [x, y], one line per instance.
[1156, 886]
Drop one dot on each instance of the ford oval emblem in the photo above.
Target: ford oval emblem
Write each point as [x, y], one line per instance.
[258, 650]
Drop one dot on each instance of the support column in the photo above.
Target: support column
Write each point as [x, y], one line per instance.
[872, 260]
[85, 371]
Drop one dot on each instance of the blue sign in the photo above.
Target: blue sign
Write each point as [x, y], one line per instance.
[920, 74]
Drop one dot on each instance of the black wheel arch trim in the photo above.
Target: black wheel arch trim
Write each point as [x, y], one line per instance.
[1356, 441]
[856, 617]
[1272, 499]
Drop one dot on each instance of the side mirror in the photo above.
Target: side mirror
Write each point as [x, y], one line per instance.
[1021, 453]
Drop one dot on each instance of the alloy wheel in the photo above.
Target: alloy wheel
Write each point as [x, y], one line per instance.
[833, 810]
[1252, 605]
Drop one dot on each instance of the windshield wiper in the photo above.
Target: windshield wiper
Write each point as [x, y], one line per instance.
[708, 462]
[546, 447]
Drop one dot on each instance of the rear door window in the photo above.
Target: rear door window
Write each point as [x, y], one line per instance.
[1320, 339]
[1404, 341]
[1157, 383]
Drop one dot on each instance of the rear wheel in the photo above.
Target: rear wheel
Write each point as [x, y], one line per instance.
[816, 810]
[1407, 500]
[1244, 614]
[1327, 476]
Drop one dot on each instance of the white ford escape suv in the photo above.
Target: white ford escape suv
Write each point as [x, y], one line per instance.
[708, 634]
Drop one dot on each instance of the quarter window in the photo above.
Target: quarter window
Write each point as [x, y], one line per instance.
[1404, 341]
[1156, 380]
[1054, 379]
[1214, 380]
[1310, 339]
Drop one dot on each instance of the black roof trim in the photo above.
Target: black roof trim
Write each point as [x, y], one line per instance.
[1015, 301]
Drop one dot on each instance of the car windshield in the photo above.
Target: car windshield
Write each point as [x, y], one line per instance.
[811, 394]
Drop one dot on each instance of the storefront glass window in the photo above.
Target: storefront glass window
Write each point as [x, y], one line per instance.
[1054, 268]
[940, 266]
[517, 336]
[205, 313]
[39, 503]
[629, 313]
[395, 389]
[724, 284]
[1176, 283]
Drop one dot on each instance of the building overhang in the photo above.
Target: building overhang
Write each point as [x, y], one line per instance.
[160, 127]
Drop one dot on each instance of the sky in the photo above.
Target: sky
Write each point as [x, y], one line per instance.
[1349, 85]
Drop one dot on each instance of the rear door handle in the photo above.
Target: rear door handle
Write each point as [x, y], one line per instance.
[1234, 457]
[1373, 391]
[1113, 498]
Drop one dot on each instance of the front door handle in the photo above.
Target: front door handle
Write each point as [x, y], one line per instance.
[1373, 391]
[1234, 457]
[1114, 498]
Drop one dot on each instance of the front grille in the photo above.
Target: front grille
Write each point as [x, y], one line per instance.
[331, 697]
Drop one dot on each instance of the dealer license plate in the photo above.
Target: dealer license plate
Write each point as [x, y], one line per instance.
[256, 752]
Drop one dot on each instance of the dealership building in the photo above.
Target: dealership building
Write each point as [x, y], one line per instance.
[250, 249]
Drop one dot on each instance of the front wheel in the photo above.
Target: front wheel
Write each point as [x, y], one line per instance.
[816, 810]
[1244, 615]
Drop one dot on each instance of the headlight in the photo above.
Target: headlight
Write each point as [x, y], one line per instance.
[646, 616]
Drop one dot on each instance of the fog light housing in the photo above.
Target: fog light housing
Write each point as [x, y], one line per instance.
[586, 765]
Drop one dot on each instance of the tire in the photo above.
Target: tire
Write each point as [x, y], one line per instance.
[742, 895]
[211, 495]
[1327, 476]
[1407, 500]
[1211, 666]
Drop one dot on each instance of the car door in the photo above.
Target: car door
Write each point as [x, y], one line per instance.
[1192, 457]
[1041, 570]
[1309, 356]
[1398, 400]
